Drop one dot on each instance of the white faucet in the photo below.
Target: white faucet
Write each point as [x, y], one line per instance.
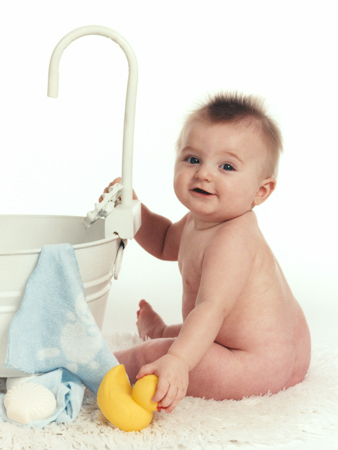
[126, 217]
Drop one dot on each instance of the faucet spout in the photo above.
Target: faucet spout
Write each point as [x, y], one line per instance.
[130, 104]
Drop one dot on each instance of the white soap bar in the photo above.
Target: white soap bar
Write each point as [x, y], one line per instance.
[27, 402]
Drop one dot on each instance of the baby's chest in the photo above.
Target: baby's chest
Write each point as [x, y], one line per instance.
[193, 248]
[190, 261]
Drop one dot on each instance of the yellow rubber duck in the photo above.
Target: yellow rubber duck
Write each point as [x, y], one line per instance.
[128, 408]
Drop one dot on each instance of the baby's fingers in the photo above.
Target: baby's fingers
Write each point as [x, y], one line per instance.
[117, 180]
[171, 400]
[106, 190]
[161, 392]
[148, 369]
[164, 394]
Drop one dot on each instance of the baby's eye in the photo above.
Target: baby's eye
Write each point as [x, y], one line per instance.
[227, 167]
[193, 160]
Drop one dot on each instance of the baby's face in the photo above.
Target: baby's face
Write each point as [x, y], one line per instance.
[219, 170]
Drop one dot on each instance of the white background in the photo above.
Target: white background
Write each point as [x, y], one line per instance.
[58, 155]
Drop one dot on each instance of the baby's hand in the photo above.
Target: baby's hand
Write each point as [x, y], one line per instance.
[106, 191]
[173, 380]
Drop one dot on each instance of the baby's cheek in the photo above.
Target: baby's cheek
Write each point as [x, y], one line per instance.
[179, 184]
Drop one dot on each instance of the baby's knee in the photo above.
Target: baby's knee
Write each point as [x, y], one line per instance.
[153, 349]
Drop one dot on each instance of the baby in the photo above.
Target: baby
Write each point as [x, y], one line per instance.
[243, 332]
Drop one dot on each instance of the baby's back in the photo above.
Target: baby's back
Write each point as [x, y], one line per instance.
[266, 320]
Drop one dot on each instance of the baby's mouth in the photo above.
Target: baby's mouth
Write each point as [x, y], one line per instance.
[201, 191]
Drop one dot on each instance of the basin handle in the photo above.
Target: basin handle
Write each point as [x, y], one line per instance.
[130, 104]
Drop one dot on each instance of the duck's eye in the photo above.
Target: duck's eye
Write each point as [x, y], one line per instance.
[227, 167]
[193, 160]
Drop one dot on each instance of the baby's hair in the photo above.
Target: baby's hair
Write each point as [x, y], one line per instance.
[241, 108]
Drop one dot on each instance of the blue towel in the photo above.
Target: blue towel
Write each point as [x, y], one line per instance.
[54, 327]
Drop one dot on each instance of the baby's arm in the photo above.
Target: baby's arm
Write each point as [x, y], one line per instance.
[226, 267]
[157, 234]
[197, 334]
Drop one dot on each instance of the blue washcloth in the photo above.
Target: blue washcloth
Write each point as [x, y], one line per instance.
[68, 391]
[54, 327]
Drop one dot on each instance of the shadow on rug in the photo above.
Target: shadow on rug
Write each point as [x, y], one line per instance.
[302, 412]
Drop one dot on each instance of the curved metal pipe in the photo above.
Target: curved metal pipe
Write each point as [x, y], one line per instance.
[130, 104]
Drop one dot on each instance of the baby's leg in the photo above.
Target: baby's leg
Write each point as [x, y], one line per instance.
[136, 357]
[233, 374]
[151, 325]
[221, 374]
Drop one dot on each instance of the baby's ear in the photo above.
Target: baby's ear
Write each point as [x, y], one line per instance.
[266, 188]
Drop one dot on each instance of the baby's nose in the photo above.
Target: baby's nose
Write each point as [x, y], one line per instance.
[204, 173]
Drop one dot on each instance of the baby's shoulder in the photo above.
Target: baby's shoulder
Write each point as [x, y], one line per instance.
[244, 225]
[241, 232]
[234, 240]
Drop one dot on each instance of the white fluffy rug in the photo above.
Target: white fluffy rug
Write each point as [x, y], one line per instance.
[303, 412]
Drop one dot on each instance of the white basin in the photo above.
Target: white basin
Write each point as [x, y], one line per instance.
[21, 239]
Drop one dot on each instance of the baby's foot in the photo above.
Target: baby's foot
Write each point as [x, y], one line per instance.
[149, 323]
